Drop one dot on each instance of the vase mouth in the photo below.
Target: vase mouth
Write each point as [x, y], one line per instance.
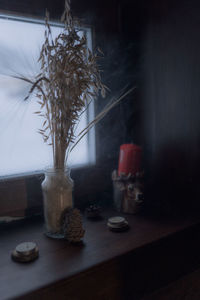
[52, 170]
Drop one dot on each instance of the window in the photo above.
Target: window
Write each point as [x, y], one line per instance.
[22, 149]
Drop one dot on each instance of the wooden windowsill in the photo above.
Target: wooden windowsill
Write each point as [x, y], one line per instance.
[60, 263]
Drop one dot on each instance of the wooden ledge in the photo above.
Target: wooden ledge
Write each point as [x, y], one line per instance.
[61, 267]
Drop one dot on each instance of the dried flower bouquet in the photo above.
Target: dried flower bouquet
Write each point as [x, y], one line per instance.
[69, 80]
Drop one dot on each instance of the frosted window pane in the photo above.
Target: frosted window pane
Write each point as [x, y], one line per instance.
[21, 147]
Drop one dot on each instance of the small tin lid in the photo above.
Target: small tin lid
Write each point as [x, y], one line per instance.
[117, 224]
[125, 224]
[116, 220]
[25, 252]
[26, 248]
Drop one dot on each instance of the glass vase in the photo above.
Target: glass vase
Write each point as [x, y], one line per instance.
[57, 198]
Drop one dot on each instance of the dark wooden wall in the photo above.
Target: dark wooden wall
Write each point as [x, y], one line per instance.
[164, 57]
[171, 101]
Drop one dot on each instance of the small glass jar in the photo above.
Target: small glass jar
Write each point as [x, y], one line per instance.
[57, 190]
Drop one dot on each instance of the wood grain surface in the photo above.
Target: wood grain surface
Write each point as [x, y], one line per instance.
[60, 264]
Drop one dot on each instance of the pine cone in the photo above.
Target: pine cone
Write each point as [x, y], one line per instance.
[72, 227]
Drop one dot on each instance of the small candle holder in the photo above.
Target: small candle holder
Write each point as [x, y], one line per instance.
[128, 192]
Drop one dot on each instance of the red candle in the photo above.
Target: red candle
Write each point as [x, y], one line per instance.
[129, 159]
